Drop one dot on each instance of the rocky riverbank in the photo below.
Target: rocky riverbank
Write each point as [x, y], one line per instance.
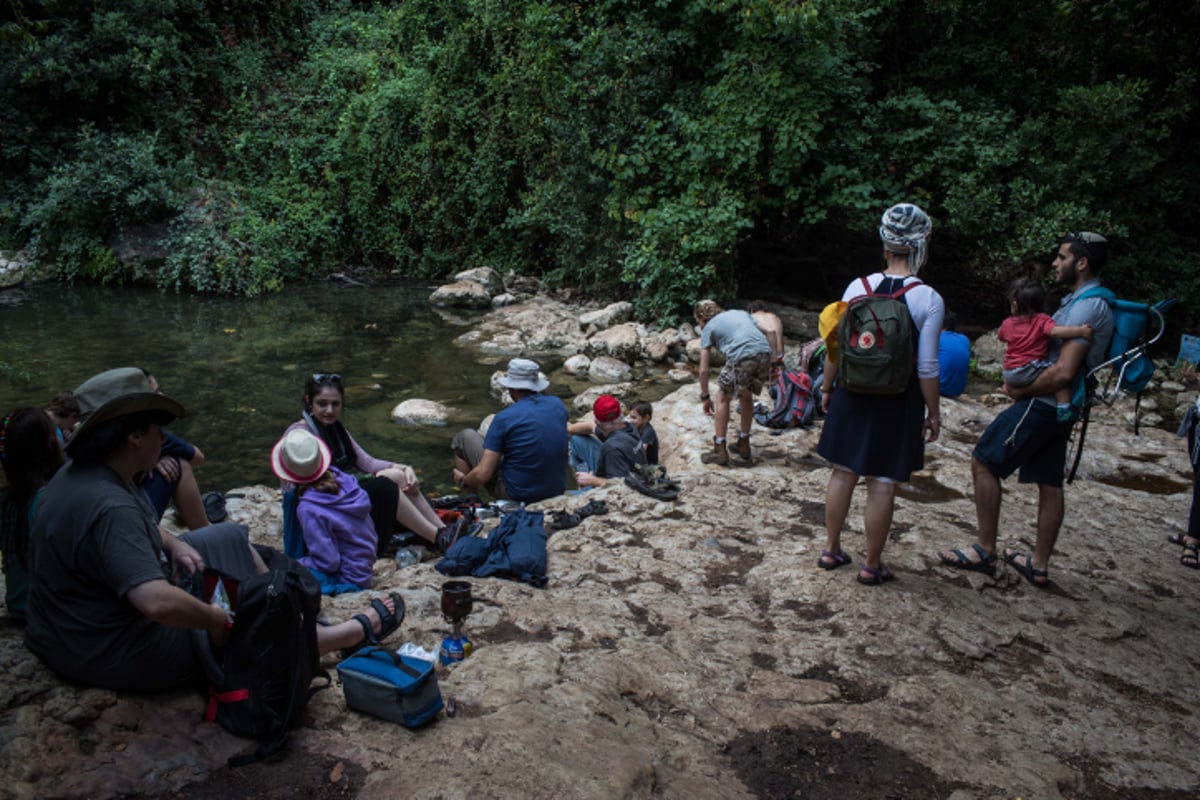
[693, 649]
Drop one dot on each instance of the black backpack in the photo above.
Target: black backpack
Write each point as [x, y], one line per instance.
[794, 405]
[261, 679]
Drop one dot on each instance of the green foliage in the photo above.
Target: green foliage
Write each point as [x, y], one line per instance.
[626, 147]
[113, 180]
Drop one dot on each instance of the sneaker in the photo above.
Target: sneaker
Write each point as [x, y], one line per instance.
[718, 455]
[742, 449]
[448, 535]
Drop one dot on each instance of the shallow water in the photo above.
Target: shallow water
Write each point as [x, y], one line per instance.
[239, 365]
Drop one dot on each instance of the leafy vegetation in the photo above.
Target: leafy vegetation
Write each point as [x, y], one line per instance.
[641, 148]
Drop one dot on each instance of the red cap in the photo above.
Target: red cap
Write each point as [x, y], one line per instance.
[606, 408]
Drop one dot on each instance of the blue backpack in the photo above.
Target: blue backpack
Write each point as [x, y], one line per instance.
[1131, 321]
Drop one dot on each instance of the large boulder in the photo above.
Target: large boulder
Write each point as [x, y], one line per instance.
[420, 412]
[486, 277]
[529, 328]
[462, 294]
[621, 342]
[989, 354]
[606, 317]
[606, 369]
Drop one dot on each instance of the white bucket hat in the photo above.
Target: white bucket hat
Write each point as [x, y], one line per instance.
[523, 374]
[300, 457]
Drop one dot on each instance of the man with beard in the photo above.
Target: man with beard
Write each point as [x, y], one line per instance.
[1027, 436]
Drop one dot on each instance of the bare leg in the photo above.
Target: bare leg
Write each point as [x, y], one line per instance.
[746, 407]
[410, 517]
[1051, 508]
[187, 498]
[721, 420]
[349, 633]
[837, 506]
[878, 518]
[419, 501]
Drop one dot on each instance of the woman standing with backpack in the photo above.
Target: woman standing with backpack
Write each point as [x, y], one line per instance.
[884, 407]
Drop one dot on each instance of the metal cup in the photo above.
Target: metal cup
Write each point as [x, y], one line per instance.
[456, 599]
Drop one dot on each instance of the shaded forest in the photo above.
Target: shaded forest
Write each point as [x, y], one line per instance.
[650, 150]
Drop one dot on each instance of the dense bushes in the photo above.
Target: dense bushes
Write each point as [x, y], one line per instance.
[631, 147]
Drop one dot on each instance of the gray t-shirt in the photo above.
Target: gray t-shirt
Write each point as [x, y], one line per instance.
[1092, 311]
[94, 539]
[735, 334]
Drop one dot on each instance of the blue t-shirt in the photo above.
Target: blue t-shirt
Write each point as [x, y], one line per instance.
[954, 360]
[735, 334]
[531, 438]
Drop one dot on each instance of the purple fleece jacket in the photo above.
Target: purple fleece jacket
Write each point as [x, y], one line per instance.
[338, 532]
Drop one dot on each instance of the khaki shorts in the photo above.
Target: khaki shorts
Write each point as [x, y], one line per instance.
[750, 373]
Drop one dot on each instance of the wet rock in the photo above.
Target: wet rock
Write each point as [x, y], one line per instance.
[486, 277]
[577, 365]
[420, 412]
[503, 300]
[620, 342]
[605, 369]
[610, 315]
[462, 294]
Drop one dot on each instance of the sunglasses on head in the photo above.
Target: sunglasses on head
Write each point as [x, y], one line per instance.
[327, 378]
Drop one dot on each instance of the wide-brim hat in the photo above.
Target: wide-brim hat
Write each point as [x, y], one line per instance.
[118, 393]
[300, 457]
[523, 374]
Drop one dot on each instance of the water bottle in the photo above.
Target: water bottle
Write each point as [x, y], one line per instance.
[406, 557]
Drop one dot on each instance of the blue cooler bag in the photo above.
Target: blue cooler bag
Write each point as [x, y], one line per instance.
[383, 684]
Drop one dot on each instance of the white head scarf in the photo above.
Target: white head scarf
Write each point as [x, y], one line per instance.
[905, 228]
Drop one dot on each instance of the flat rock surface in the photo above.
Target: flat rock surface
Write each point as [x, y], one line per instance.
[694, 650]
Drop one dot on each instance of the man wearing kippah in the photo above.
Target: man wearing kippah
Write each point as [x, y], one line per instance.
[747, 368]
[524, 455]
[1027, 436]
[620, 445]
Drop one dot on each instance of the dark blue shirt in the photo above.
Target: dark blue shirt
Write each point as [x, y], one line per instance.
[531, 438]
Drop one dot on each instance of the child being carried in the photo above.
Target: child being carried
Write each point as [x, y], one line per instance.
[1027, 334]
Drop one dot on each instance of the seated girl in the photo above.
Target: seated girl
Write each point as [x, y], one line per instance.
[393, 488]
[334, 513]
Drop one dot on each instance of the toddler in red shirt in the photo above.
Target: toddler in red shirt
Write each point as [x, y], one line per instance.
[1027, 333]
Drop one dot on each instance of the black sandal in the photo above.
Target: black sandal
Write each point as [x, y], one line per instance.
[389, 621]
[1190, 557]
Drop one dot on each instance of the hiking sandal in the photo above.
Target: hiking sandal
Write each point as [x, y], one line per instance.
[1190, 557]
[389, 621]
[986, 563]
[1037, 577]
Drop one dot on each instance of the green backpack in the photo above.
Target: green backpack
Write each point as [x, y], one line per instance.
[876, 346]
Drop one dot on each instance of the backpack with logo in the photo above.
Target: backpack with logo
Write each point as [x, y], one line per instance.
[793, 403]
[261, 680]
[876, 340]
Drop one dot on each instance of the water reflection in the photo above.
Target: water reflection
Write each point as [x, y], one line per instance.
[239, 365]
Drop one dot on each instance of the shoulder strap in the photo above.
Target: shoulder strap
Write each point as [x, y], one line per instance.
[898, 293]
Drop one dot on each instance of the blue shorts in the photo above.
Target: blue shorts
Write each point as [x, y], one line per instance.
[1038, 448]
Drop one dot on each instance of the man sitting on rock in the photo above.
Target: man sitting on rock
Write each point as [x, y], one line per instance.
[747, 368]
[620, 444]
[106, 607]
[524, 456]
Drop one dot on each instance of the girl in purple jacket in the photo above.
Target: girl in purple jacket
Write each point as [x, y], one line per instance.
[333, 510]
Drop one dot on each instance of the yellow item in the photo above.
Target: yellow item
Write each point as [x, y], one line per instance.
[827, 326]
